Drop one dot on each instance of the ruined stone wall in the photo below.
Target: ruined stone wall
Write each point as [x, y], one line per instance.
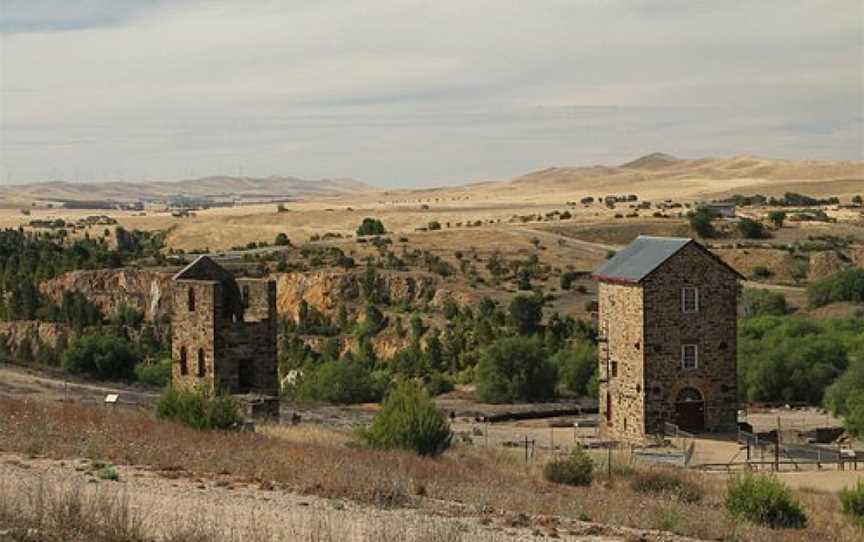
[251, 343]
[713, 328]
[620, 317]
[195, 330]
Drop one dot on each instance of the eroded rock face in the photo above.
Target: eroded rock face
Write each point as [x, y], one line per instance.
[34, 334]
[326, 290]
[146, 290]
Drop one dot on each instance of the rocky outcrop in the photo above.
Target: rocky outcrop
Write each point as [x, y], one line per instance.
[146, 290]
[25, 338]
[326, 290]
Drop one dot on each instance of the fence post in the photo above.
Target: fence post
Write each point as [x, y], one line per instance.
[526, 449]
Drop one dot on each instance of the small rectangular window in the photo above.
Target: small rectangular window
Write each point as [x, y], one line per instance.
[689, 356]
[614, 369]
[690, 299]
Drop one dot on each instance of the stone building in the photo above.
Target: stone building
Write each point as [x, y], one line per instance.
[223, 331]
[667, 311]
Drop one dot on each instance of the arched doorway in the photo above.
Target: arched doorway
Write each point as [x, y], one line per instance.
[690, 410]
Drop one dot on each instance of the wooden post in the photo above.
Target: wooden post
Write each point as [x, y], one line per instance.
[526, 449]
[777, 448]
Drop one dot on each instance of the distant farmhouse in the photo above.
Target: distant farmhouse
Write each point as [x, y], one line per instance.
[667, 312]
[224, 334]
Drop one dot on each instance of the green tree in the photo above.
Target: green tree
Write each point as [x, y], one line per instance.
[282, 240]
[101, 356]
[762, 302]
[525, 313]
[700, 222]
[338, 382]
[751, 229]
[577, 367]
[371, 226]
[409, 420]
[777, 218]
[516, 368]
[846, 285]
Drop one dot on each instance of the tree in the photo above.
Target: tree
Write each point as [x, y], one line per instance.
[567, 279]
[777, 218]
[371, 226]
[101, 356]
[516, 368]
[577, 367]
[846, 285]
[409, 420]
[525, 313]
[700, 222]
[751, 229]
[282, 240]
[338, 382]
[434, 225]
[450, 309]
[858, 200]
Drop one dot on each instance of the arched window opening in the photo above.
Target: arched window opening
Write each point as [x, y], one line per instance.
[245, 296]
[689, 395]
[202, 367]
[184, 368]
[190, 299]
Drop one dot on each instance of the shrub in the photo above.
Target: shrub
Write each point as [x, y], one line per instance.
[154, 374]
[437, 384]
[666, 482]
[281, 240]
[101, 356]
[577, 469]
[852, 501]
[764, 500]
[751, 229]
[762, 272]
[371, 226]
[700, 222]
[525, 313]
[108, 472]
[576, 366]
[200, 408]
[761, 302]
[339, 382]
[843, 286]
[409, 420]
[777, 218]
[515, 368]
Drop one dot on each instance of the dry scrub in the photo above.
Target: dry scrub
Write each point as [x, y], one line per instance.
[472, 481]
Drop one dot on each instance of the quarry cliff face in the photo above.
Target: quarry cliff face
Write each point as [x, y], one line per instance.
[326, 290]
[149, 290]
[146, 290]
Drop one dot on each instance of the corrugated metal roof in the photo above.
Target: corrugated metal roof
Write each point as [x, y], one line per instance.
[640, 258]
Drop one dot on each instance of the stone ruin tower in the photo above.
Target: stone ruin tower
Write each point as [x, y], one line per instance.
[224, 334]
[667, 319]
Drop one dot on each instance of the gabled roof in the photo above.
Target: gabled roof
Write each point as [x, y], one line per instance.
[645, 254]
[204, 268]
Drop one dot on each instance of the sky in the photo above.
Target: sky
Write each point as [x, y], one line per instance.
[416, 93]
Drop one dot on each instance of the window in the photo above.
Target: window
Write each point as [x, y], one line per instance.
[614, 369]
[689, 299]
[184, 368]
[190, 299]
[202, 368]
[689, 356]
[245, 296]
[608, 409]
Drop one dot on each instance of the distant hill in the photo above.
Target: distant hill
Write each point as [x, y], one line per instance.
[663, 175]
[216, 187]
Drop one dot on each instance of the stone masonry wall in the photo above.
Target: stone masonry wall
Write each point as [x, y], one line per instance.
[194, 330]
[620, 319]
[713, 328]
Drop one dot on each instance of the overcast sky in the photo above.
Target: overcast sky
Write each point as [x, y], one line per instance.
[402, 92]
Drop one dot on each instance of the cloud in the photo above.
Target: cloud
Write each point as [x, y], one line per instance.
[408, 92]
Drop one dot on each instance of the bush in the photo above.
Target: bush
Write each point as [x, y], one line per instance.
[577, 469]
[751, 229]
[126, 315]
[409, 420]
[200, 408]
[101, 356]
[764, 500]
[154, 374]
[761, 302]
[281, 240]
[852, 501]
[437, 384]
[666, 482]
[371, 226]
[525, 313]
[762, 272]
[108, 472]
[339, 382]
[515, 368]
[576, 366]
[843, 286]
[700, 222]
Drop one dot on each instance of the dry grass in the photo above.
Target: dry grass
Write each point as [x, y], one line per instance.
[326, 465]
